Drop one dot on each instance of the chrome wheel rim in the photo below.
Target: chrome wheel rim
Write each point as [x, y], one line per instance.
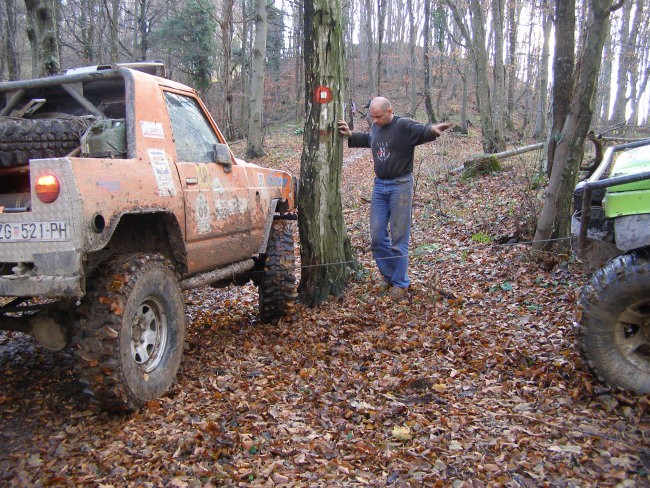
[149, 334]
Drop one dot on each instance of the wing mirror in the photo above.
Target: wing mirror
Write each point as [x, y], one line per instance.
[221, 155]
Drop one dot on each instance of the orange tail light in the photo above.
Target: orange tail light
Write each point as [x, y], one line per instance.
[47, 188]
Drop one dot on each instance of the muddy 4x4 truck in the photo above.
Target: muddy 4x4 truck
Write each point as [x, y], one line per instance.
[611, 228]
[117, 192]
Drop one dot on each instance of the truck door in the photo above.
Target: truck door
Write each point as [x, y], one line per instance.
[217, 216]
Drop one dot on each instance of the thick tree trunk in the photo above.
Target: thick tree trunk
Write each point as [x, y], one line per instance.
[555, 219]
[255, 146]
[563, 63]
[42, 35]
[326, 253]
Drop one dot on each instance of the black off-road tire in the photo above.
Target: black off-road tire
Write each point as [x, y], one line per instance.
[277, 283]
[615, 329]
[25, 139]
[131, 331]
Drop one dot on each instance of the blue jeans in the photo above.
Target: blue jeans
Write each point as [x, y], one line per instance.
[391, 208]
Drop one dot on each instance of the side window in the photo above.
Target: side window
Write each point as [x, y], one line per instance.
[193, 134]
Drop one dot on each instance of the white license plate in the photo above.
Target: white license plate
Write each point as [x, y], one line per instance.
[54, 230]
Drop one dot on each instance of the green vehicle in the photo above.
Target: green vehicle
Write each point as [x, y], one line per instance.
[611, 231]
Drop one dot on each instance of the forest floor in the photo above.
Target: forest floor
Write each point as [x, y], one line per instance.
[472, 379]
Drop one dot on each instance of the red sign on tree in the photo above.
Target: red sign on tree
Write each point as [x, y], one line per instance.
[323, 95]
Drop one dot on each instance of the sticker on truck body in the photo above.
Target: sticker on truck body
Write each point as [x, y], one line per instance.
[160, 166]
[202, 214]
[152, 130]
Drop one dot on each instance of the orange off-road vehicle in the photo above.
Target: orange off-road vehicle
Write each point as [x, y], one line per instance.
[117, 192]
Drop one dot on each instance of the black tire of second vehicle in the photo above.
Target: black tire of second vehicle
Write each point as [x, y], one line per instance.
[128, 291]
[25, 139]
[616, 296]
[277, 285]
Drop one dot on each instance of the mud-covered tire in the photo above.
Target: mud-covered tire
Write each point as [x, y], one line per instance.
[131, 331]
[277, 284]
[614, 333]
[25, 139]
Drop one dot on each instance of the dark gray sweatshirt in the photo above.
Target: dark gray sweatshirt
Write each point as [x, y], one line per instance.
[393, 145]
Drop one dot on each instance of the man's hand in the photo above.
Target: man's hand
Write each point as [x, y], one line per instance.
[344, 130]
[438, 129]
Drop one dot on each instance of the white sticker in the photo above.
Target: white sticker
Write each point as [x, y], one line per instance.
[153, 130]
[160, 166]
[202, 214]
[228, 207]
[260, 180]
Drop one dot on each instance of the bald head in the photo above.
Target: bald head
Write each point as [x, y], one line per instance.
[381, 111]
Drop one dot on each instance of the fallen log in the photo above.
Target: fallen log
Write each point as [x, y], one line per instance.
[487, 163]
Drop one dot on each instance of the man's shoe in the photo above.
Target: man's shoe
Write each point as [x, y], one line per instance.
[385, 285]
[397, 292]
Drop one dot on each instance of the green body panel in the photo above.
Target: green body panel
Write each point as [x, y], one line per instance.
[617, 204]
[631, 198]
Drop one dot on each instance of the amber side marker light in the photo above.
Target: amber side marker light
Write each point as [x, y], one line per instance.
[47, 188]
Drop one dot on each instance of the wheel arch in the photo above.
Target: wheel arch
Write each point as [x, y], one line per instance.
[155, 231]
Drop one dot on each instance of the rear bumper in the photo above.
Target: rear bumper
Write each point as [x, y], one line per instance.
[43, 286]
[52, 275]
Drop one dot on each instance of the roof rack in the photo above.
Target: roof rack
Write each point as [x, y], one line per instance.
[84, 74]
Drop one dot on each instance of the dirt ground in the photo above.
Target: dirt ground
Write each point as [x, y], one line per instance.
[472, 379]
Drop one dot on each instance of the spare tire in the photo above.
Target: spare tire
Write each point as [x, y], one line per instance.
[25, 139]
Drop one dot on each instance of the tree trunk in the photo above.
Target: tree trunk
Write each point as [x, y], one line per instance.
[540, 115]
[413, 104]
[555, 219]
[633, 65]
[512, 62]
[10, 53]
[227, 32]
[476, 45]
[563, 61]
[499, 76]
[114, 29]
[369, 43]
[605, 81]
[42, 35]
[621, 83]
[325, 247]
[428, 104]
[255, 147]
[381, 16]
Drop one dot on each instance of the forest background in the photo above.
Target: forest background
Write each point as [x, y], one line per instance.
[418, 53]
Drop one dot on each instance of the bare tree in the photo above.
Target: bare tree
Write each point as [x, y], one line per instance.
[325, 247]
[555, 219]
[563, 63]
[255, 147]
[475, 40]
[540, 114]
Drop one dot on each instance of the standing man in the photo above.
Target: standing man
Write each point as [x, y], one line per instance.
[392, 140]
